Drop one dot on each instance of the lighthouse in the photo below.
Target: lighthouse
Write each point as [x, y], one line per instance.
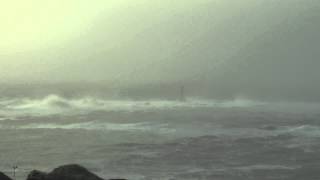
[182, 93]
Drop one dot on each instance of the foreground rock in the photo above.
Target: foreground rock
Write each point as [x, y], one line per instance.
[67, 172]
[4, 177]
[36, 175]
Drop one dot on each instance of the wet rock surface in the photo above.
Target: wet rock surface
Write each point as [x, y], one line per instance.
[37, 175]
[66, 172]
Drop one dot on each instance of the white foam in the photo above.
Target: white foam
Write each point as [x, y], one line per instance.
[54, 104]
[160, 128]
[304, 130]
[267, 167]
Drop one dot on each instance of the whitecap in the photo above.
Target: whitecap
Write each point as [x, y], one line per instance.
[143, 126]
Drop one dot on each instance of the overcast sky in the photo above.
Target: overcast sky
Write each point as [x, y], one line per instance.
[249, 47]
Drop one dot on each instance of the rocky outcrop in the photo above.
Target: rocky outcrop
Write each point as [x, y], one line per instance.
[71, 172]
[4, 177]
[36, 175]
[66, 172]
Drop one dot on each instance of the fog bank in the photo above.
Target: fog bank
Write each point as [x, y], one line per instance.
[258, 49]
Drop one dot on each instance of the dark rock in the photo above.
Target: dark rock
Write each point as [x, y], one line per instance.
[36, 175]
[72, 172]
[4, 177]
[66, 172]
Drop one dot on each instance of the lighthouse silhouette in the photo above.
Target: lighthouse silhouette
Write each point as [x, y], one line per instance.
[182, 93]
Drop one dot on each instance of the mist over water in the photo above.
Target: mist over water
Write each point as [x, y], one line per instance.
[161, 90]
[264, 50]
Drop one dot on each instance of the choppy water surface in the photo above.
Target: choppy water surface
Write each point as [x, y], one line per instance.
[160, 139]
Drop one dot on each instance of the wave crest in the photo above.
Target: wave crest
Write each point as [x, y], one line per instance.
[53, 104]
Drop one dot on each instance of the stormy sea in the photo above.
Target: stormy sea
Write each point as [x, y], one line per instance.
[157, 139]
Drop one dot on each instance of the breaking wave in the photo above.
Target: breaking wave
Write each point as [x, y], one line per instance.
[162, 128]
[54, 104]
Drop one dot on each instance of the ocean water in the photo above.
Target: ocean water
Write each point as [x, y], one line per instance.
[161, 139]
